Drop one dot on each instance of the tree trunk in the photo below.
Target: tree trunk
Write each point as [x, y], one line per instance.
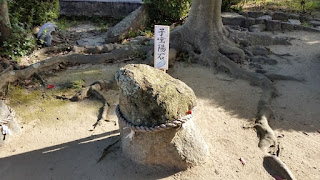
[5, 26]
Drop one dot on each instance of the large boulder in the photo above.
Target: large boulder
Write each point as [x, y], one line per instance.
[7, 120]
[132, 23]
[151, 99]
[273, 25]
[280, 16]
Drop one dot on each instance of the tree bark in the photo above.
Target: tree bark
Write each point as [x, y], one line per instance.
[5, 26]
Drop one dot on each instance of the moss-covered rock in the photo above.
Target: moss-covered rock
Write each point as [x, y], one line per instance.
[151, 97]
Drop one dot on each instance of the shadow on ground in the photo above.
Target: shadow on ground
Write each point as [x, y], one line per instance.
[58, 162]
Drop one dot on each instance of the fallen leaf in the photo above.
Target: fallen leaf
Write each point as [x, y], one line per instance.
[50, 86]
[242, 161]
[189, 112]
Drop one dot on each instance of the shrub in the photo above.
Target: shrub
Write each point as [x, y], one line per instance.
[226, 5]
[24, 15]
[168, 12]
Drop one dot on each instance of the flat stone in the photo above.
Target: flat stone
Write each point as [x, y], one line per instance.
[258, 50]
[91, 41]
[314, 23]
[257, 28]
[318, 27]
[255, 14]
[280, 16]
[273, 25]
[287, 26]
[294, 21]
[249, 22]
[232, 19]
[293, 16]
[265, 17]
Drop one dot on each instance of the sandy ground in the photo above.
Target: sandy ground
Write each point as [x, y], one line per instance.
[59, 142]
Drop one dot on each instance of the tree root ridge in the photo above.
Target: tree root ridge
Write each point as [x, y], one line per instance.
[117, 55]
[95, 90]
[267, 139]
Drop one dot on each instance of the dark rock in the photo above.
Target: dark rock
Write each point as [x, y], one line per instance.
[293, 16]
[248, 52]
[255, 14]
[298, 27]
[304, 18]
[261, 71]
[263, 60]
[150, 97]
[259, 50]
[311, 29]
[255, 66]
[273, 25]
[280, 16]
[233, 19]
[259, 21]
[245, 14]
[249, 22]
[314, 23]
[257, 28]
[286, 26]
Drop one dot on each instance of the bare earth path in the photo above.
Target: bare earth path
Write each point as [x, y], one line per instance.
[58, 141]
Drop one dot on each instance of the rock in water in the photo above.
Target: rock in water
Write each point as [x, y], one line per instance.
[7, 119]
[45, 33]
[150, 97]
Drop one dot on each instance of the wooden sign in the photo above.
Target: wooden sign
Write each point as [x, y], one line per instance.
[161, 47]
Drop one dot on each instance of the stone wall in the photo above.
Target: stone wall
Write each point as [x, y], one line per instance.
[105, 8]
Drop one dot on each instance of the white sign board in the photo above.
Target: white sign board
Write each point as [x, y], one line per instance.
[161, 47]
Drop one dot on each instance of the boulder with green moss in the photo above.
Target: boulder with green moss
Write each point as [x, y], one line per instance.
[150, 97]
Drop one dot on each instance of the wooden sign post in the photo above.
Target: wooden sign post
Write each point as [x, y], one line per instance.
[161, 47]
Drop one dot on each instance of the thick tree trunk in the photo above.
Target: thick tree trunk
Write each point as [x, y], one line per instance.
[5, 26]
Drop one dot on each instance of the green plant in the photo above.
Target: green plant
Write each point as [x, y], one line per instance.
[24, 15]
[227, 5]
[168, 12]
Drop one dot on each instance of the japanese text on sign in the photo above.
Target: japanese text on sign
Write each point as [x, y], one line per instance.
[161, 47]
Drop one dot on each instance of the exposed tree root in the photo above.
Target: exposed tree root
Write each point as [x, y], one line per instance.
[95, 90]
[215, 51]
[117, 55]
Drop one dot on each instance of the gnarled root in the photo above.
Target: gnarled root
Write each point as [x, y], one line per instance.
[116, 55]
[95, 90]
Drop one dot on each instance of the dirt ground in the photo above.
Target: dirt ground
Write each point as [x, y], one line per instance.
[58, 140]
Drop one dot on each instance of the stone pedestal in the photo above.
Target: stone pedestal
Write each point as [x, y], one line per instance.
[149, 97]
[7, 118]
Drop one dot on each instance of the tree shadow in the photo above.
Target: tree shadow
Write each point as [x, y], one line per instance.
[77, 160]
[238, 98]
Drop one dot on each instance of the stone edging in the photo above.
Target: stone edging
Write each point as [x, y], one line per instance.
[9, 118]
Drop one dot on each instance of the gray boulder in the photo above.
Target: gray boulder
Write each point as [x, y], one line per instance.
[294, 21]
[249, 22]
[293, 16]
[259, 50]
[45, 31]
[149, 97]
[133, 22]
[280, 16]
[255, 14]
[257, 28]
[7, 119]
[232, 19]
[273, 25]
[314, 23]
[287, 26]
